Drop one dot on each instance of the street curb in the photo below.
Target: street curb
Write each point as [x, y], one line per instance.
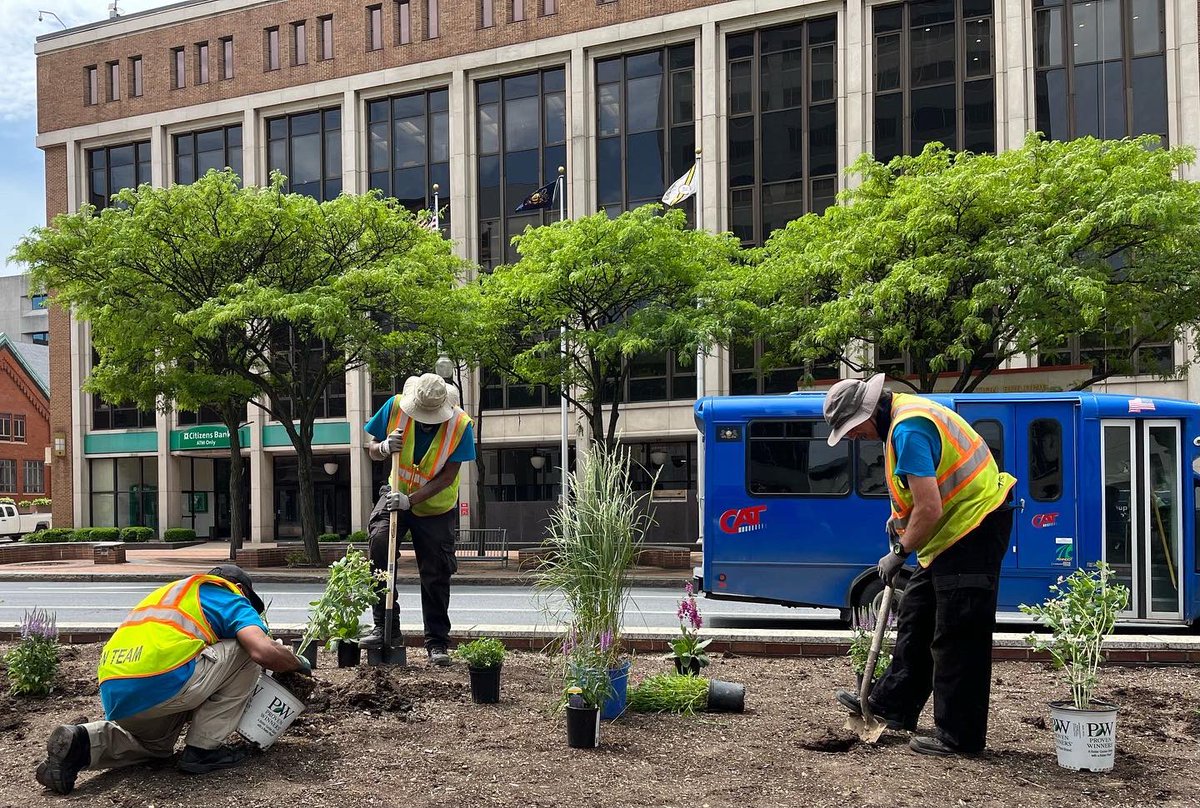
[305, 578]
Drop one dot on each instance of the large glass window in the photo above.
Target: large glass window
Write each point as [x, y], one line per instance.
[934, 77]
[124, 492]
[782, 126]
[305, 361]
[35, 477]
[307, 149]
[749, 375]
[409, 150]
[1101, 68]
[114, 168]
[1114, 353]
[795, 458]
[522, 137]
[8, 476]
[117, 416]
[197, 152]
[645, 125]
[501, 393]
[525, 474]
[1045, 460]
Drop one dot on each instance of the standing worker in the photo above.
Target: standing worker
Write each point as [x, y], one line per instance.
[190, 651]
[949, 506]
[434, 437]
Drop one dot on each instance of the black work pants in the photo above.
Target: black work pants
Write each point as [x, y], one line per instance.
[944, 637]
[433, 541]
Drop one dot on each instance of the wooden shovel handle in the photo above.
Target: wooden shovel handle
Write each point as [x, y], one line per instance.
[881, 621]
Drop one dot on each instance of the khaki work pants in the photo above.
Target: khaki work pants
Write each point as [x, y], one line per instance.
[213, 700]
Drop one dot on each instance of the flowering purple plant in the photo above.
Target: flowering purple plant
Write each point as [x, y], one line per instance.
[585, 665]
[39, 623]
[688, 650]
[33, 662]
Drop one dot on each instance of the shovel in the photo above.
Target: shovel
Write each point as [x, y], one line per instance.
[867, 727]
[388, 653]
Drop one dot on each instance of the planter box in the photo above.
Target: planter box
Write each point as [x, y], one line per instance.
[96, 552]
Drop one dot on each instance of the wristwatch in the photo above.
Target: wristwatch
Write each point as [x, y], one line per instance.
[898, 548]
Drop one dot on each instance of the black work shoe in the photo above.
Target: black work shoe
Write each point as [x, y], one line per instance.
[926, 745]
[439, 657]
[201, 761]
[68, 751]
[850, 702]
[372, 640]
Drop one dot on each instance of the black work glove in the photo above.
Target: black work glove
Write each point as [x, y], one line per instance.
[888, 566]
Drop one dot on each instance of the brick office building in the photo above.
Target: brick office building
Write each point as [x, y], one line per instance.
[24, 420]
[486, 98]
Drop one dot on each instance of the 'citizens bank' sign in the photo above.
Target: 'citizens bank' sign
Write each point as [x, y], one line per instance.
[200, 437]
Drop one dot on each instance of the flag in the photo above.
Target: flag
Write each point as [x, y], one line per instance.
[541, 199]
[685, 186]
[430, 222]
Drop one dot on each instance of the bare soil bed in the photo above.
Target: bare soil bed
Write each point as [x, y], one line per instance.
[412, 737]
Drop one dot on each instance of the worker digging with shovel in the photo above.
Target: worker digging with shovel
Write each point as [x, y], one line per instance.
[427, 437]
[949, 506]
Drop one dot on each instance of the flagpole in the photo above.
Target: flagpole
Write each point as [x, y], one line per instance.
[700, 380]
[562, 393]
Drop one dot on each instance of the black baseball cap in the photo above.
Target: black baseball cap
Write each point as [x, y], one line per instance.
[235, 574]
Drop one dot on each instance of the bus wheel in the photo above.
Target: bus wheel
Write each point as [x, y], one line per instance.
[869, 597]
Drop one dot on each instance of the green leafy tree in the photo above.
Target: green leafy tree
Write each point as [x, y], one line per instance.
[963, 261]
[622, 287]
[272, 295]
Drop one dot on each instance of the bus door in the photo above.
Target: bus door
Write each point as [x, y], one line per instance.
[1142, 471]
[994, 423]
[1046, 523]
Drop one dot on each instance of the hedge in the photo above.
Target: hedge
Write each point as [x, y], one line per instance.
[358, 537]
[329, 537]
[137, 534]
[80, 534]
[54, 534]
[179, 534]
[106, 534]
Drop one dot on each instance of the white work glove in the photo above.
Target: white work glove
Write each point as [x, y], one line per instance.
[397, 501]
[391, 443]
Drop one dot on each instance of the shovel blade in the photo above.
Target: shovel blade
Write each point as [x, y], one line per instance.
[867, 731]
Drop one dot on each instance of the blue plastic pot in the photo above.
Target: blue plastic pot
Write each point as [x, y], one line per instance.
[614, 705]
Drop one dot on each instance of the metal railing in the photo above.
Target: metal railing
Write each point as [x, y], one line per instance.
[482, 544]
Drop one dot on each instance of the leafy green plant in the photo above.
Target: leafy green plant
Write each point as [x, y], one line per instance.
[104, 534]
[33, 663]
[688, 650]
[80, 534]
[585, 666]
[484, 652]
[54, 534]
[1080, 614]
[329, 537]
[358, 537]
[7, 501]
[25, 504]
[296, 558]
[137, 534]
[179, 534]
[584, 583]
[349, 591]
[42, 502]
[862, 635]
[669, 693]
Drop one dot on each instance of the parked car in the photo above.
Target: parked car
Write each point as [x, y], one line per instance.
[16, 524]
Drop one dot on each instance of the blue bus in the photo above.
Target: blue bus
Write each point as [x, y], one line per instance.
[789, 520]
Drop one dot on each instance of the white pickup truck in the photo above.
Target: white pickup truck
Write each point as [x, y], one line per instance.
[16, 524]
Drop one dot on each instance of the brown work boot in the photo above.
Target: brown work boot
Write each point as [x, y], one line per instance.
[68, 752]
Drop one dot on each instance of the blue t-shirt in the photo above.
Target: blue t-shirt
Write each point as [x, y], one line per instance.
[918, 447]
[464, 452]
[227, 613]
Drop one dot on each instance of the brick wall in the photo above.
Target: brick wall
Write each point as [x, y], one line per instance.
[61, 74]
[59, 473]
[20, 395]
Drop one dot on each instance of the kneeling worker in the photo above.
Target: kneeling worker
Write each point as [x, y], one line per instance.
[191, 651]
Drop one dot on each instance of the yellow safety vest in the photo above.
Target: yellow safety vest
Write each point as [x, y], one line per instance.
[414, 475]
[165, 631]
[970, 482]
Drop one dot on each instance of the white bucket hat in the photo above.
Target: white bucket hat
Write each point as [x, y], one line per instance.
[426, 398]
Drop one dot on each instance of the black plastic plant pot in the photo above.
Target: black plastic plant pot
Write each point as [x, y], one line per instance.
[692, 668]
[349, 653]
[583, 727]
[485, 685]
[309, 653]
[387, 655]
[726, 697]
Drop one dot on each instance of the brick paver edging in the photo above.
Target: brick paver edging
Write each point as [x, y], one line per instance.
[1120, 650]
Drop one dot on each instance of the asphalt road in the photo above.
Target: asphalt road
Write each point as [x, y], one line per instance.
[92, 603]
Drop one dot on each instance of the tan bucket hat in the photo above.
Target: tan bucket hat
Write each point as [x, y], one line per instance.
[426, 398]
[850, 402]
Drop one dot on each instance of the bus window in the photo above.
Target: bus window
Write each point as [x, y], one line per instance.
[872, 479]
[1045, 459]
[992, 432]
[793, 458]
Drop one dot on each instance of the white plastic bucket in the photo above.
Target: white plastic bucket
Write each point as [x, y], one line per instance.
[1085, 739]
[270, 711]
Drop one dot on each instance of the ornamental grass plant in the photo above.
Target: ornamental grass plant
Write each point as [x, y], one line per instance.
[583, 583]
[1081, 612]
[669, 693]
[33, 662]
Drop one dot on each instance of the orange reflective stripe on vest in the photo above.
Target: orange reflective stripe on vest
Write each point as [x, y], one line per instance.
[166, 630]
[410, 476]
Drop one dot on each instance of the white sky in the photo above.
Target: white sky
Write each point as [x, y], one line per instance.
[22, 180]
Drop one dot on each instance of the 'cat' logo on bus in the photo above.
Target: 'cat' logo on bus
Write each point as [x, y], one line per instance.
[742, 520]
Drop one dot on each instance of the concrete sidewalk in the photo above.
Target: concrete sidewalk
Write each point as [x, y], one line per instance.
[169, 565]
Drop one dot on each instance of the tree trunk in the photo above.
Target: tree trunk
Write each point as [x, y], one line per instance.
[306, 495]
[237, 471]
